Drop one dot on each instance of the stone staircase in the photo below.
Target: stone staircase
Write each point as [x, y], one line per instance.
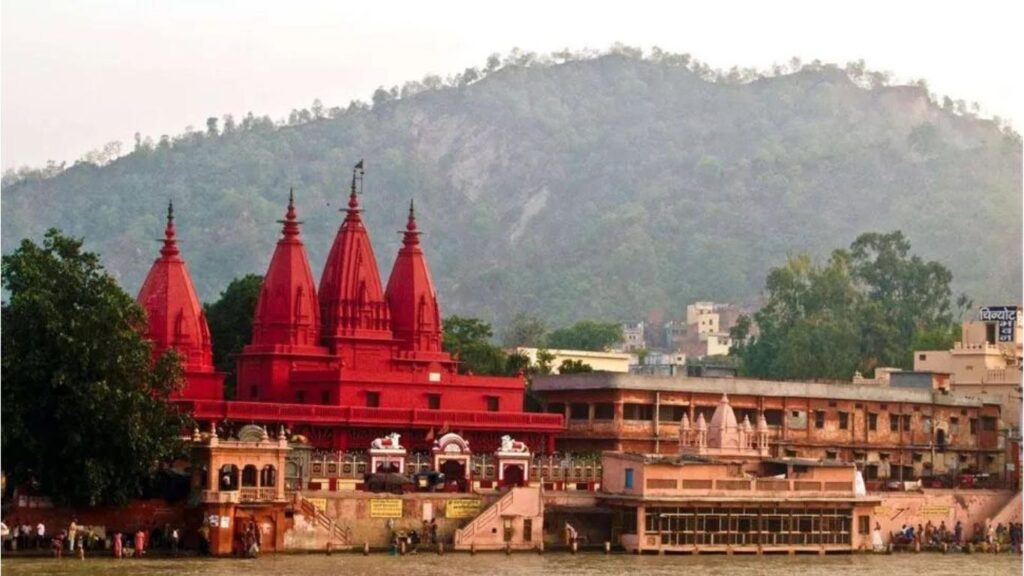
[340, 536]
[480, 533]
[1010, 512]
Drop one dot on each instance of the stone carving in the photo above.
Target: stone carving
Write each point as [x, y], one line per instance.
[389, 442]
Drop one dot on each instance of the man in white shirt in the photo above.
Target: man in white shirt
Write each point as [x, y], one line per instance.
[40, 534]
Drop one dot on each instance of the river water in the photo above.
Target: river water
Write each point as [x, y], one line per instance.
[552, 564]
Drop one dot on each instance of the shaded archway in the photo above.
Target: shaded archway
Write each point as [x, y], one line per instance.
[268, 476]
[249, 476]
[454, 471]
[940, 440]
[228, 477]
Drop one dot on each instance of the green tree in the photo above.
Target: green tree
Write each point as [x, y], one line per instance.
[84, 411]
[230, 320]
[469, 339]
[570, 366]
[586, 335]
[545, 361]
[863, 309]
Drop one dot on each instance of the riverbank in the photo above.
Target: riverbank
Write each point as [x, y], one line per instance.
[552, 564]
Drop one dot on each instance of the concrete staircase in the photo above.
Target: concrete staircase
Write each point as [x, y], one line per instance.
[486, 531]
[1010, 512]
[339, 536]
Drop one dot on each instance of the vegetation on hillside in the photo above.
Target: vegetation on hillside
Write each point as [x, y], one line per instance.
[571, 186]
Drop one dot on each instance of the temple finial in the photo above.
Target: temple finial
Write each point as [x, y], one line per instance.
[170, 241]
[291, 223]
[357, 176]
[291, 197]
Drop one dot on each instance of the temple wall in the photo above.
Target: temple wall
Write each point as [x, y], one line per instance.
[936, 506]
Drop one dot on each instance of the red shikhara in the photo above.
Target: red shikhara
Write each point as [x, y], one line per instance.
[344, 363]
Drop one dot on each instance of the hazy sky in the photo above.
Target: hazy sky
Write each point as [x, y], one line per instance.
[78, 74]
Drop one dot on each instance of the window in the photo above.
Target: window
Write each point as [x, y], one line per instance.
[922, 356]
[638, 411]
[926, 424]
[819, 419]
[433, 401]
[844, 420]
[988, 424]
[789, 453]
[300, 396]
[325, 396]
[973, 424]
[831, 455]
[671, 413]
[372, 399]
[990, 332]
[954, 425]
[894, 422]
[629, 478]
[556, 408]
[604, 411]
[863, 524]
[579, 411]
[872, 421]
[918, 456]
[492, 403]
[774, 417]
[527, 529]
[906, 422]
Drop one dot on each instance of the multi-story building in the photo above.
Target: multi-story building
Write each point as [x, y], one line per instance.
[598, 361]
[986, 361]
[632, 338]
[895, 432]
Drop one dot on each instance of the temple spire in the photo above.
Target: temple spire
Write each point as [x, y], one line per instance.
[170, 238]
[411, 237]
[291, 222]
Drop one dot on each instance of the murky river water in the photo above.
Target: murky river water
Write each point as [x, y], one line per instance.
[552, 564]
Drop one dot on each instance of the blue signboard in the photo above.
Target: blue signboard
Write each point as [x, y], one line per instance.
[1005, 319]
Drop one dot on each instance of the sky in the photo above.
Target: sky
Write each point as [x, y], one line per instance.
[76, 75]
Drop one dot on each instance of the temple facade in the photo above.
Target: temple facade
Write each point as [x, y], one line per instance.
[342, 362]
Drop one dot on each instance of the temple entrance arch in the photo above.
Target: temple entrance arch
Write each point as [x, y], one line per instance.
[452, 458]
[513, 475]
[455, 471]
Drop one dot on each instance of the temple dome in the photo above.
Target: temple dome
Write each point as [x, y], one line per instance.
[411, 298]
[723, 432]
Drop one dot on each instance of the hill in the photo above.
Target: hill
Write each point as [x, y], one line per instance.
[601, 187]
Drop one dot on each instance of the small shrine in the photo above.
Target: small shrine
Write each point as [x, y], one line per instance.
[512, 460]
[452, 457]
[387, 454]
[724, 436]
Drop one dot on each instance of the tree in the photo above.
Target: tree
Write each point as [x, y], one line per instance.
[85, 412]
[230, 320]
[469, 340]
[586, 335]
[570, 366]
[524, 330]
[865, 308]
[545, 359]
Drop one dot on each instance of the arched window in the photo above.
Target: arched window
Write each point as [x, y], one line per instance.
[249, 475]
[268, 476]
[228, 477]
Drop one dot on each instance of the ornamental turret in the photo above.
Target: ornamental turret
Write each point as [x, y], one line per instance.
[411, 298]
[352, 305]
[287, 312]
[175, 318]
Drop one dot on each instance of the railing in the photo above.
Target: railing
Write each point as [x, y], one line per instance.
[320, 414]
[764, 485]
[254, 494]
[340, 535]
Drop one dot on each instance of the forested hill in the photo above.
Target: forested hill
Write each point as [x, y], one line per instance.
[592, 188]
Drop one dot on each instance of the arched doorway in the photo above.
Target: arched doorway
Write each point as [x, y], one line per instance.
[514, 476]
[228, 478]
[940, 440]
[454, 471]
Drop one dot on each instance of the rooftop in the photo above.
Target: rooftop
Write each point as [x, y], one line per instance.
[744, 386]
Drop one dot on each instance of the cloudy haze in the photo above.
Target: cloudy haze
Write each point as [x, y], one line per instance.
[76, 75]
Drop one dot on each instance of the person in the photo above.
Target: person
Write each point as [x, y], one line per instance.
[40, 534]
[72, 532]
[958, 532]
[118, 546]
[174, 541]
[140, 543]
[204, 539]
[80, 546]
[876, 538]
[414, 541]
[15, 536]
[433, 531]
[58, 544]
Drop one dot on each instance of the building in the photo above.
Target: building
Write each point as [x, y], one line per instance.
[898, 433]
[341, 363]
[598, 361]
[986, 361]
[722, 493]
[632, 338]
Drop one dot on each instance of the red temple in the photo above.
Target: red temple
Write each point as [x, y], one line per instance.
[345, 364]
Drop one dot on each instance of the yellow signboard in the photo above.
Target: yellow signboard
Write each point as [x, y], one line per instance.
[463, 508]
[933, 510]
[385, 508]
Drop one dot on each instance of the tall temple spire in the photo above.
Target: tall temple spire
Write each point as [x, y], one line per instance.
[415, 315]
[287, 312]
[351, 297]
[175, 318]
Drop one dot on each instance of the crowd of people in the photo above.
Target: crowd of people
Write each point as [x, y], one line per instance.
[78, 540]
[996, 537]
